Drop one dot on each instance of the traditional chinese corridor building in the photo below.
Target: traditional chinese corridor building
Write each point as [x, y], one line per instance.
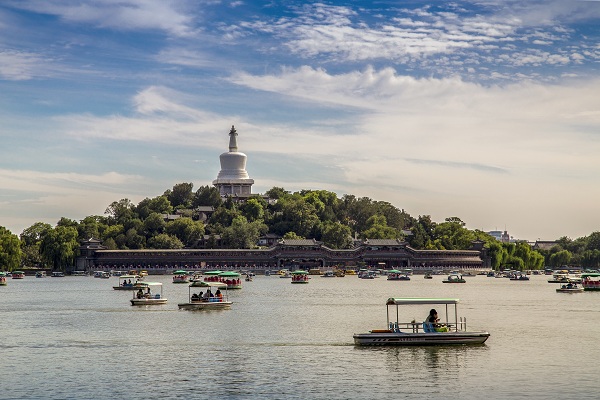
[305, 254]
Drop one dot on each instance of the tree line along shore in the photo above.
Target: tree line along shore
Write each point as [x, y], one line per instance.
[178, 219]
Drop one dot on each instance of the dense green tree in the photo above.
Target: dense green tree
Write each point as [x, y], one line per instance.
[224, 216]
[452, 235]
[243, 234]
[120, 211]
[561, 258]
[133, 240]
[211, 242]
[164, 241]
[159, 204]
[154, 224]
[295, 215]
[67, 222]
[31, 239]
[59, 247]
[276, 193]
[90, 227]
[181, 195]
[593, 241]
[10, 250]
[253, 209]
[336, 235]
[186, 230]
[377, 228]
[497, 254]
[531, 259]
[590, 259]
[312, 198]
[207, 196]
[110, 244]
[292, 236]
[112, 232]
[394, 217]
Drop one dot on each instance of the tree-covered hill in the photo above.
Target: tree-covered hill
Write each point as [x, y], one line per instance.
[177, 219]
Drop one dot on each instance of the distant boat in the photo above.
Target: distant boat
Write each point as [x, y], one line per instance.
[396, 275]
[300, 276]
[570, 288]
[454, 278]
[18, 275]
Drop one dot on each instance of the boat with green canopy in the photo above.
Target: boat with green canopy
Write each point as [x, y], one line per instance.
[415, 333]
[181, 276]
[232, 279]
[18, 275]
[300, 276]
[590, 281]
[397, 275]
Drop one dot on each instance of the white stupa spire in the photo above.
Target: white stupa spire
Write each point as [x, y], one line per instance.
[232, 139]
[233, 178]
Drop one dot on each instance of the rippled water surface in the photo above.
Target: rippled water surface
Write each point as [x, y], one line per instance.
[77, 338]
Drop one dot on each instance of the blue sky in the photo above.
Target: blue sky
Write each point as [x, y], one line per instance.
[485, 110]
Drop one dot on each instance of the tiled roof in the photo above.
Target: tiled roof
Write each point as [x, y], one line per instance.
[299, 242]
[383, 242]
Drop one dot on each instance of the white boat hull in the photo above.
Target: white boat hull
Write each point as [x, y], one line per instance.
[147, 302]
[419, 339]
[577, 290]
[205, 305]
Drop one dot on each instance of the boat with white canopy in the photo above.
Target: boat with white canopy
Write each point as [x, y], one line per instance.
[421, 334]
[203, 300]
[127, 282]
[149, 293]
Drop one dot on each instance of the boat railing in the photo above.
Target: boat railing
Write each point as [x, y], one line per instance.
[415, 327]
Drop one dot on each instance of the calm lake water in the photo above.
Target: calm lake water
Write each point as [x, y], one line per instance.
[77, 338]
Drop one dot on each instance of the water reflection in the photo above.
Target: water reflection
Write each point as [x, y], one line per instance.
[284, 341]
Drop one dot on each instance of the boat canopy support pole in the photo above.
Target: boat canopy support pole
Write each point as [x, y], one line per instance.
[456, 319]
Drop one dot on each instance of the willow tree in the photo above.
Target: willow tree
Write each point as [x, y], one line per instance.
[10, 250]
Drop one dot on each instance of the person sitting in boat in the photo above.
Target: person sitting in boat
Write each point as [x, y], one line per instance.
[140, 294]
[219, 295]
[434, 321]
[195, 297]
[207, 295]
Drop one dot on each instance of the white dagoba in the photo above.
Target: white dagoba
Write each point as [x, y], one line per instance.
[233, 178]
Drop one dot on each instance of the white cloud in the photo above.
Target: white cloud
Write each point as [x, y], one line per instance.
[160, 116]
[37, 196]
[435, 139]
[20, 65]
[165, 15]
[185, 57]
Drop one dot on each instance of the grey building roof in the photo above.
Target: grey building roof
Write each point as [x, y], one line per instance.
[300, 242]
[383, 242]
